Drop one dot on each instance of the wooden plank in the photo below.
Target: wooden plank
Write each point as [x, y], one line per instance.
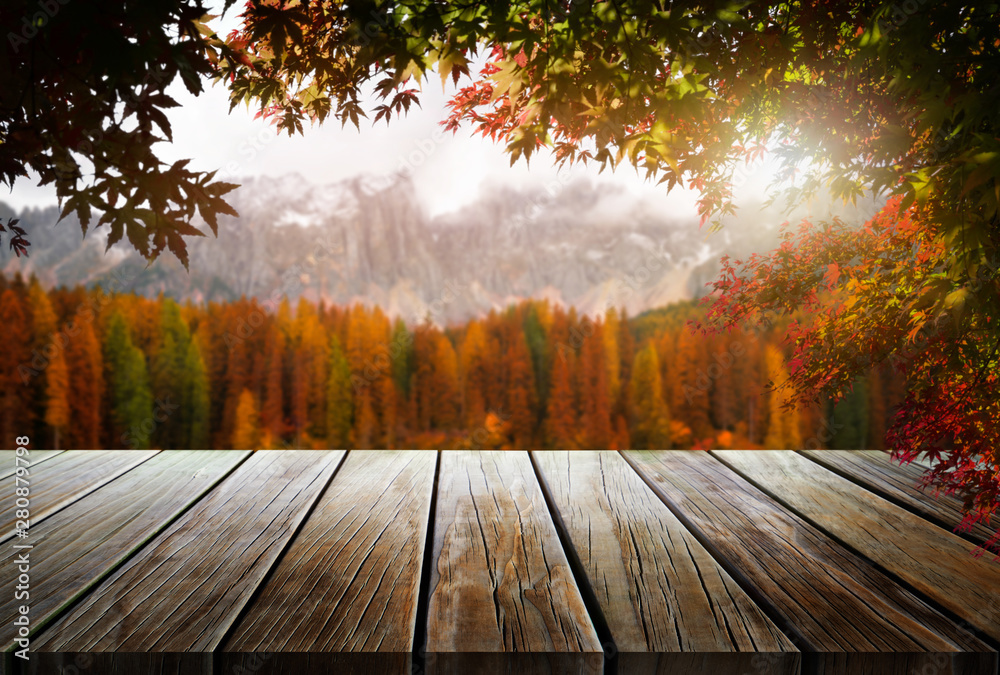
[35, 457]
[832, 599]
[350, 580]
[62, 480]
[658, 588]
[184, 590]
[500, 581]
[75, 548]
[875, 470]
[930, 559]
[109, 663]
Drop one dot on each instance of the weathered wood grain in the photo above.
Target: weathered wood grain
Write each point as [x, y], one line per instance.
[8, 464]
[658, 588]
[930, 559]
[875, 470]
[500, 581]
[63, 479]
[110, 663]
[184, 589]
[349, 581]
[76, 547]
[834, 600]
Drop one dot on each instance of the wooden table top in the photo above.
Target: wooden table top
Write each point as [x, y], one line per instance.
[551, 562]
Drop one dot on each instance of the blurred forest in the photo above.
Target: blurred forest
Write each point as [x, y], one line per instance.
[88, 369]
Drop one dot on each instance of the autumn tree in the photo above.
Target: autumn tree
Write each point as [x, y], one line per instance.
[693, 384]
[626, 354]
[783, 419]
[86, 384]
[15, 396]
[57, 396]
[561, 419]
[612, 332]
[522, 397]
[273, 407]
[650, 420]
[595, 404]
[437, 383]
[474, 371]
[311, 359]
[246, 433]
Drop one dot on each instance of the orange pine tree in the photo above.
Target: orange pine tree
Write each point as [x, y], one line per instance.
[595, 409]
[86, 385]
[521, 396]
[561, 418]
[246, 430]
[273, 408]
[15, 396]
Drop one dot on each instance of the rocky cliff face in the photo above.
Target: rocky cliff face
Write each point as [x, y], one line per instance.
[370, 240]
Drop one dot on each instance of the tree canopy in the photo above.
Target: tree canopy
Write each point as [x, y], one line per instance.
[82, 100]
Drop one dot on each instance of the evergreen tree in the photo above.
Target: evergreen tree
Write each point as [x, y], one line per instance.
[849, 419]
[401, 352]
[43, 348]
[534, 335]
[195, 401]
[170, 378]
[339, 404]
[650, 420]
[129, 394]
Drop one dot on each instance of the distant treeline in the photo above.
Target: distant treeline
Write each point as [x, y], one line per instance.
[88, 369]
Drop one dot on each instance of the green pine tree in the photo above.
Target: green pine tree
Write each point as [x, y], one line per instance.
[401, 352]
[849, 419]
[128, 380]
[195, 402]
[170, 377]
[339, 408]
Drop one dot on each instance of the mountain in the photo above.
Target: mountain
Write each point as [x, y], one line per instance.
[370, 240]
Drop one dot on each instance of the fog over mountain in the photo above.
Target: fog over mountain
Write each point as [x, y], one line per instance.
[370, 240]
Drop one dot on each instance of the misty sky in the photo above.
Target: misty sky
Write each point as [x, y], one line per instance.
[449, 171]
